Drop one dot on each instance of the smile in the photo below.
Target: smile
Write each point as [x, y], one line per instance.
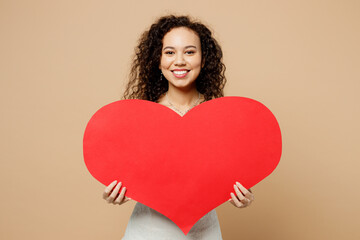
[180, 73]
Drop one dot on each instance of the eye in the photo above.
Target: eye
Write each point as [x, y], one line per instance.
[169, 52]
[190, 52]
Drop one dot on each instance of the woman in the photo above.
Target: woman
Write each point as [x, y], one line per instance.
[177, 64]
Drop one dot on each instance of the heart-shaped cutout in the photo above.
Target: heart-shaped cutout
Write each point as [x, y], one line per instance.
[182, 167]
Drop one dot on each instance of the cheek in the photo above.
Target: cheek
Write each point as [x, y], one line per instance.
[165, 63]
[197, 62]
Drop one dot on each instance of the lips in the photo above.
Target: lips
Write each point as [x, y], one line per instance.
[180, 73]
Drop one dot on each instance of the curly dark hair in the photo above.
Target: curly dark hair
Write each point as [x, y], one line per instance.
[144, 79]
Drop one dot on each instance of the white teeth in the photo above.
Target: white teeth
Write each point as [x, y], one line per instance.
[180, 72]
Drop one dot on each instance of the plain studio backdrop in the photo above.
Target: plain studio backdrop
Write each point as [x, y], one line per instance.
[60, 61]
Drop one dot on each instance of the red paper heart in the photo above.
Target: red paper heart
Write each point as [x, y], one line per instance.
[182, 167]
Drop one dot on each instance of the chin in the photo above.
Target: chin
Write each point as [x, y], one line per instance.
[182, 85]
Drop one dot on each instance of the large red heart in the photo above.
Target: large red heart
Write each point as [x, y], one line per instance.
[182, 167]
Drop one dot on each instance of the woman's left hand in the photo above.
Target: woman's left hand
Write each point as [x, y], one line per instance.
[242, 198]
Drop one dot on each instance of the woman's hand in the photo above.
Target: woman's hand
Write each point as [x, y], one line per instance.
[112, 195]
[243, 197]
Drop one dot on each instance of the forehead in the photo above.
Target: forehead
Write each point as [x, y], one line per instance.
[181, 36]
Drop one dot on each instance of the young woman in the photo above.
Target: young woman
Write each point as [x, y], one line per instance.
[177, 64]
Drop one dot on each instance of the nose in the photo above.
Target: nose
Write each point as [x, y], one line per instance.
[179, 61]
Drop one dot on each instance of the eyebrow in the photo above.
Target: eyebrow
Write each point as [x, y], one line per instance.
[189, 46]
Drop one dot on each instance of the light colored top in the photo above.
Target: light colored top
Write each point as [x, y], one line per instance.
[146, 223]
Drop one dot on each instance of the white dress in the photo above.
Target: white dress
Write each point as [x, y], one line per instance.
[146, 223]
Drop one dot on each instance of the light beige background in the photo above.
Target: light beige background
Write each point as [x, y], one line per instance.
[60, 61]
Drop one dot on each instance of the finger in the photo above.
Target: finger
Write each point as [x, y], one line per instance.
[232, 202]
[114, 193]
[236, 200]
[251, 197]
[126, 199]
[120, 198]
[242, 188]
[246, 202]
[238, 193]
[108, 189]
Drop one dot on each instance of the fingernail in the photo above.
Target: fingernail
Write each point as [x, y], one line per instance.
[237, 183]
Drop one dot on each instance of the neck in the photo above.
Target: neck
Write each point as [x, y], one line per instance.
[182, 97]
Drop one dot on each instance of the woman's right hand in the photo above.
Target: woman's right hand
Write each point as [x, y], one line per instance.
[112, 195]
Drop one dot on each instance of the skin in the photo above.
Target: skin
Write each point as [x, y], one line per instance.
[111, 193]
[181, 50]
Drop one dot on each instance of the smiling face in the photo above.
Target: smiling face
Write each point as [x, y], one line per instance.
[180, 60]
